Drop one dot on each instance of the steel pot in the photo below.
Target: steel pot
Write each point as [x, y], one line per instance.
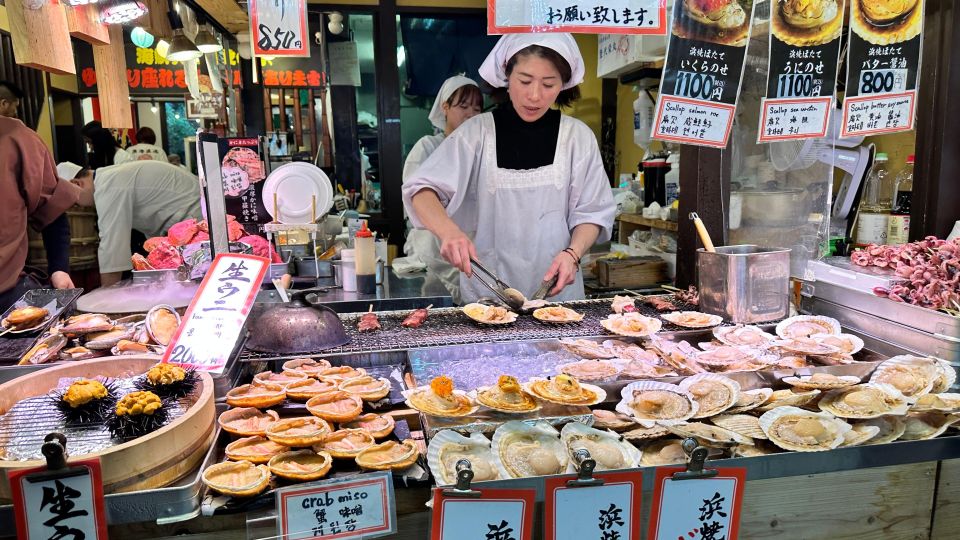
[297, 327]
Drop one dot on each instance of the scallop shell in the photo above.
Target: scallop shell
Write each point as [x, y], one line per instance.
[757, 450]
[246, 421]
[750, 399]
[708, 435]
[922, 426]
[261, 396]
[482, 314]
[448, 447]
[692, 319]
[788, 398]
[87, 323]
[337, 407]
[947, 378]
[641, 433]
[724, 356]
[301, 465]
[389, 455]
[835, 429]
[859, 434]
[847, 343]
[557, 315]
[492, 398]
[420, 399]
[544, 389]
[684, 411]
[893, 402]
[724, 393]
[309, 388]
[283, 379]
[603, 419]
[807, 325]
[306, 366]
[345, 443]
[162, 323]
[607, 449]
[739, 335]
[914, 376]
[631, 325]
[819, 382]
[253, 449]
[744, 424]
[522, 450]
[47, 349]
[945, 403]
[299, 432]
[663, 452]
[238, 479]
[588, 350]
[342, 373]
[891, 428]
[591, 370]
[380, 426]
[367, 388]
[803, 345]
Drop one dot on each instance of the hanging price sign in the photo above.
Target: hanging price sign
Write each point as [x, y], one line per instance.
[65, 503]
[704, 508]
[883, 62]
[279, 28]
[702, 72]
[606, 512]
[497, 514]
[344, 508]
[580, 16]
[217, 313]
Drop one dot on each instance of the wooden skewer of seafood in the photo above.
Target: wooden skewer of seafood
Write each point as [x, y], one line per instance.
[368, 321]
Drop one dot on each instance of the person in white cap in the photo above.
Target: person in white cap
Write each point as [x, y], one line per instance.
[521, 189]
[459, 100]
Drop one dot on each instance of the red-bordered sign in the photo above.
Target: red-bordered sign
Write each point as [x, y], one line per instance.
[823, 102]
[496, 511]
[366, 501]
[590, 512]
[688, 508]
[727, 111]
[45, 502]
[610, 20]
[911, 96]
[279, 28]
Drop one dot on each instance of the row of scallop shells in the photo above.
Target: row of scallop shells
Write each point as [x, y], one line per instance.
[533, 388]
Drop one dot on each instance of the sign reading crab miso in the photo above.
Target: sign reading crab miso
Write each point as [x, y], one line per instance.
[804, 52]
[343, 508]
[703, 70]
[883, 64]
[611, 510]
[217, 313]
[704, 508]
[580, 16]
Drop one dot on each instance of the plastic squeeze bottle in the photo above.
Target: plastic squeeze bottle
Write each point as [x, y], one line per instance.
[366, 260]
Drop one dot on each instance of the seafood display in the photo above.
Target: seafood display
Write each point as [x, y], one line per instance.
[692, 319]
[25, 318]
[522, 450]
[489, 314]
[448, 447]
[565, 390]
[631, 325]
[507, 396]
[440, 398]
[557, 314]
[654, 402]
[928, 267]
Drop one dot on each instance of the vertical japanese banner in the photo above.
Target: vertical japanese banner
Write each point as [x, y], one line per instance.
[883, 64]
[279, 28]
[706, 54]
[703, 508]
[802, 80]
[580, 16]
[217, 313]
[59, 504]
[498, 514]
[607, 512]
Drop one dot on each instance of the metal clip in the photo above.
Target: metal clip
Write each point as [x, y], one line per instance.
[585, 466]
[698, 455]
[55, 450]
[464, 477]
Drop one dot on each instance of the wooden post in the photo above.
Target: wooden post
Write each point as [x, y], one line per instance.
[41, 39]
[111, 66]
[83, 22]
[156, 20]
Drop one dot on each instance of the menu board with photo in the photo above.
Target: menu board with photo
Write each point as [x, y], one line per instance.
[703, 70]
[883, 62]
[243, 171]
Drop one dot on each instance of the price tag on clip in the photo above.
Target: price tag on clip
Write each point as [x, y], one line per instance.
[703, 508]
[606, 512]
[497, 514]
[66, 503]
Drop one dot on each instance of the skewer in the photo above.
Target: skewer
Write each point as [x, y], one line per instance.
[276, 208]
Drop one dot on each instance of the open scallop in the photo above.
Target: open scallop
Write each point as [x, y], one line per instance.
[713, 393]
[301, 465]
[864, 401]
[389, 455]
[945, 403]
[440, 398]
[847, 343]
[744, 424]
[588, 350]
[914, 376]
[367, 388]
[521, 450]
[788, 398]
[631, 325]
[799, 430]
[565, 390]
[822, 381]
[591, 370]
[485, 314]
[921, 426]
[306, 366]
[725, 356]
[642, 434]
[750, 399]
[448, 447]
[890, 428]
[603, 419]
[247, 421]
[259, 395]
[253, 449]
[345, 443]
[309, 388]
[380, 426]
[607, 449]
[708, 435]
[859, 434]
[507, 396]
[283, 379]
[299, 432]
[335, 407]
[161, 323]
[803, 326]
[805, 346]
[948, 376]
[342, 373]
[739, 335]
[237, 479]
[557, 315]
[663, 452]
[654, 402]
[692, 319]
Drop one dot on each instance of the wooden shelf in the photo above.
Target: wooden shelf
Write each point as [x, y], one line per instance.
[637, 219]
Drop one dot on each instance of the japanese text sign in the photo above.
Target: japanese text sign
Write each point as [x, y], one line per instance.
[359, 506]
[66, 503]
[607, 512]
[802, 75]
[498, 514]
[217, 313]
[581, 16]
[883, 64]
[279, 28]
[702, 508]
[702, 72]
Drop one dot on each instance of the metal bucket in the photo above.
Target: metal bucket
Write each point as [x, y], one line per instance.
[745, 284]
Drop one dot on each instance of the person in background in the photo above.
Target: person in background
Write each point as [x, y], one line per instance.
[103, 147]
[10, 97]
[174, 159]
[31, 194]
[459, 100]
[147, 196]
[146, 147]
[521, 188]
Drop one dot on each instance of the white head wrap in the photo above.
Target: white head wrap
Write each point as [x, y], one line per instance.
[437, 117]
[494, 68]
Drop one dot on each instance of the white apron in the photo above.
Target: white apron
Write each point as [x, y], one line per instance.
[522, 219]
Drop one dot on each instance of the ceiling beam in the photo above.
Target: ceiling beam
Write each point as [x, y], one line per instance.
[227, 13]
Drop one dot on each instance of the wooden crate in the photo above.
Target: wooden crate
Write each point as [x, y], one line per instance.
[631, 272]
[84, 241]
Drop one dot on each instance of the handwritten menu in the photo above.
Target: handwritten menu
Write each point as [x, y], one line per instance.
[802, 80]
[243, 169]
[703, 71]
[361, 506]
[883, 62]
[581, 16]
[279, 28]
[705, 508]
[64, 504]
[606, 512]
[497, 514]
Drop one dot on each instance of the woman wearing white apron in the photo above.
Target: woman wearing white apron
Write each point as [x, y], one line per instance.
[522, 188]
[459, 100]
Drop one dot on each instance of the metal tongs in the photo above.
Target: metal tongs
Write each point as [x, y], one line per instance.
[507, 295]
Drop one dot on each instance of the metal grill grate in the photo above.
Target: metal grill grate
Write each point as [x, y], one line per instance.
[449, 326]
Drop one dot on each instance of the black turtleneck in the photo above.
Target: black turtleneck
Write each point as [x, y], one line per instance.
[522, 144]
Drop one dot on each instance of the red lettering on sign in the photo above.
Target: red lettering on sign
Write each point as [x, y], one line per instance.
[299, 78]
[271, 78]
[286, 78]
[133, 78]
[151, 78]
[166, 78]
[181, 81]
[313, 78]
